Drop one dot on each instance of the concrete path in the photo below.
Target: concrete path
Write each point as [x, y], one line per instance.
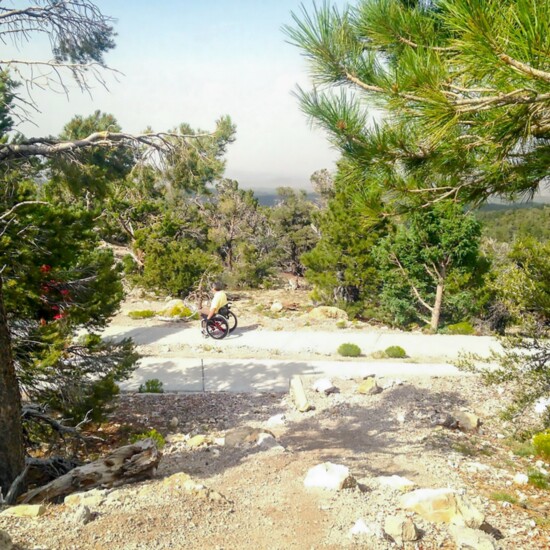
[251, 375]
[429, 355]
[436, 347]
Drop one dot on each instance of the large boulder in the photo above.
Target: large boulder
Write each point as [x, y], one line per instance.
[443, 505]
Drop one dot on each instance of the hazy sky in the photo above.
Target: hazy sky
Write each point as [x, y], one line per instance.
[195, 60]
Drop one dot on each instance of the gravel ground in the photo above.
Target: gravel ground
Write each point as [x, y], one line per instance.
[258, 498]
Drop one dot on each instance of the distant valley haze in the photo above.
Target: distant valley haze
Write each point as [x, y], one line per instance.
[186, 61]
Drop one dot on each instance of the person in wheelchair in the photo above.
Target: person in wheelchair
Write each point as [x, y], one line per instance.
[219, 301]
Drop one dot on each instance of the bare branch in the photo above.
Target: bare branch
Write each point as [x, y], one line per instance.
[523, 68]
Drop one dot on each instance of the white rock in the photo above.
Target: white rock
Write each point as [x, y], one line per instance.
[329, 476]
[363, 529]
[397, 483]
[521, 479]
[266, 440]
[476, 467]
[360, 528]
[82, 515]
[467, 538]
[324, 385]
[277, 307]
[276, 420]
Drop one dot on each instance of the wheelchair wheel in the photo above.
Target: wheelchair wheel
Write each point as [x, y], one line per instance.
[231, 320]
[217, 327]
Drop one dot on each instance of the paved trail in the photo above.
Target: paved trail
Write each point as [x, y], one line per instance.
[430, 355]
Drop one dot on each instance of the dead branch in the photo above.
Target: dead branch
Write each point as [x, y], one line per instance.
[125, 465]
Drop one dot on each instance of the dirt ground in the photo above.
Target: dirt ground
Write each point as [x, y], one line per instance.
[254, 496]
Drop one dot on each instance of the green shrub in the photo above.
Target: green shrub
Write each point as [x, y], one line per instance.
[141, 314]
[157, 437]
[541, 443]
[179, 311]
[538, 479]
[151, 386]
[91, 402]
[349, 350]
[465, 328]
[395, 352]
[504, 497]
[341, 324]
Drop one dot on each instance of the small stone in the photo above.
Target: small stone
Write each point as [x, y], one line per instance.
[25, 511]
[276, 307]
[401, 529]
[369, 387]
[476, 467]
[196, 441]
[245, 435]
[267, 440]
[324, 385]
[467, 422]
[397, 483]
[277, 420]
[521, 479]
[327, 312]
[174, 422]
[82, 515]
[360, 528]
[333, 477]
[467, 538]
[92, 498]
[175, 438]
[5, 541]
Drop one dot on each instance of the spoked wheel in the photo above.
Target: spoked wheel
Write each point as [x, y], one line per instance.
[217, 327]
[231, 320]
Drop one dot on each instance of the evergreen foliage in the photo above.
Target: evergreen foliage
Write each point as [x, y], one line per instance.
[464, 84]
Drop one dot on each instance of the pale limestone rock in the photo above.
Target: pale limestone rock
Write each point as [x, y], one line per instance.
[401, 529]
[329, 476]
[521, 479]
[267, 440]
[443, 505]
[277, 420]
[5, 541]
[397, 483]
[245, 435]
[181, 482]
[472, 539]
[176, 438]
[82, 515]
[197, 441]
[25, 511]
[92, 498]
[467, 421]
[360, 528]
[324, 385]
[369, 387]
[299, 395]
[276, 307]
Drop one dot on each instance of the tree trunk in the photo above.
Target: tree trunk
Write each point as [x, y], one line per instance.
[436, 311]
[12, 455]
[124, 465]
